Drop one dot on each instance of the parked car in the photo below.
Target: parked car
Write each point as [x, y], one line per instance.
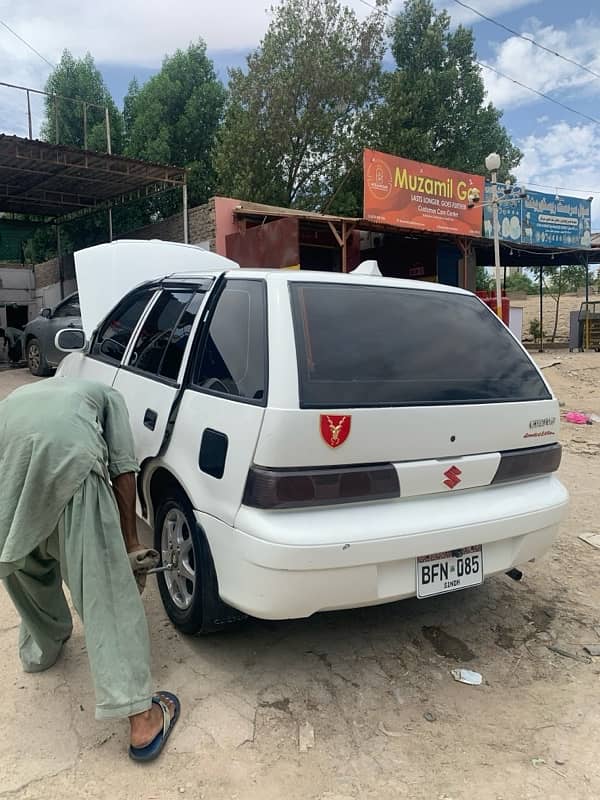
[39, 335]
[317, 441]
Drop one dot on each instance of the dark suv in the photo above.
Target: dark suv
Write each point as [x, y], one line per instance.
[40, 351]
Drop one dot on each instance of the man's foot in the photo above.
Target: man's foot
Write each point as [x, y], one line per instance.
[145, 726]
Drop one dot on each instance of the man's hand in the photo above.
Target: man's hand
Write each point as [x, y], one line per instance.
[141, 561]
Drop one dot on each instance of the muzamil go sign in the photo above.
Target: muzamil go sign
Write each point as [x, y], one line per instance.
[408, 194]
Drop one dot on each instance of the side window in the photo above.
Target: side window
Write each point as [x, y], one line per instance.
[173, 356]
[164, 333]
[233, 361]
[69, 309]
[114, 335]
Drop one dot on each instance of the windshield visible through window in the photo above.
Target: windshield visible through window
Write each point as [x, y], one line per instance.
[382, 346]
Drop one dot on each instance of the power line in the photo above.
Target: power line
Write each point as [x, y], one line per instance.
[561, 188]
[26, 43]
[540, 94]
[508, 78]
[528, 39]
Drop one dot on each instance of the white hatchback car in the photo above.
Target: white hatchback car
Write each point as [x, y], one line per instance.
[314, 441]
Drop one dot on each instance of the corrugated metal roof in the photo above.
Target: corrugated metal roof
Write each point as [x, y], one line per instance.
[52, 180]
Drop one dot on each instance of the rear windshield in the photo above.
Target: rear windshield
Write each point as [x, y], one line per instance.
[380, 346]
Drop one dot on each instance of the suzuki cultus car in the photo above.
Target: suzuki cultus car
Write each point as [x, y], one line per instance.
[314, 441]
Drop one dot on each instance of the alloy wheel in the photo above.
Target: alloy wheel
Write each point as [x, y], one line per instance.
[34, 357]
[177, 549]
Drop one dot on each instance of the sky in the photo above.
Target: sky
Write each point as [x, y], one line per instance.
[130, 37]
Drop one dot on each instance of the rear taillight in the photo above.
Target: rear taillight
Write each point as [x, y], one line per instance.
[516, 465]
[293, 488]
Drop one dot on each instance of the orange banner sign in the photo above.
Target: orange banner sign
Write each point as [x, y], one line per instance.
[408, 194]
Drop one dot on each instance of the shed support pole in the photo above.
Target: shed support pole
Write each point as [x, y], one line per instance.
[541, 310]
[342, 240]
[29, 115]
[186, 233]
[61, 276]
[464, 245]
[56, 119]
[108, 140]
[85, 126]
[110, 225]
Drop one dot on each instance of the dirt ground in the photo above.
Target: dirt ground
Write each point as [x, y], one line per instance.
[373, 685]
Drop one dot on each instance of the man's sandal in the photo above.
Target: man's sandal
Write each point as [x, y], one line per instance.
[152, 750]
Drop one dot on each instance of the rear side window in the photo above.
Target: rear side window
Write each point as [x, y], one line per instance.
[157, 331]
[115, 333]
[233, 362]
[380, 346]
[70, 308]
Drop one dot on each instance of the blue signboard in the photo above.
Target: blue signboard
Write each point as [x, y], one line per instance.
[544, 220]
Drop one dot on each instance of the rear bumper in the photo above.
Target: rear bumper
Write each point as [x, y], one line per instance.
[290, 564]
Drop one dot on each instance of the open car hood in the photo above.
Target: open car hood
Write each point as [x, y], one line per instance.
[107, 272]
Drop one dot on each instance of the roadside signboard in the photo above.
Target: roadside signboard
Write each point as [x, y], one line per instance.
[408, 194]
[544, 220]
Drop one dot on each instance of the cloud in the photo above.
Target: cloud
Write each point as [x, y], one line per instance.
[543, 71]
[491, 8]
[19, 66]
[140, 32]
[566, 160]
[135, 33]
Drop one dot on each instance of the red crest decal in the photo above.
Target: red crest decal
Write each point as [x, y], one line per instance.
[335, 429]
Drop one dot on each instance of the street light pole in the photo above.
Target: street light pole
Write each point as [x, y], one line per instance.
[492, 163]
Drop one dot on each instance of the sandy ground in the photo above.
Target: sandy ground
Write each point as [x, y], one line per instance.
[374, 685]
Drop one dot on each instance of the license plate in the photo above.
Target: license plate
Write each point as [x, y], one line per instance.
[439, 573]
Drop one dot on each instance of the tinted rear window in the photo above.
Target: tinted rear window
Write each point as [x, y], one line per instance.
[381, 346]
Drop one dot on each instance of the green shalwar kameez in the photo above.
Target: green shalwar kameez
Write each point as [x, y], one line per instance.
[61, 441]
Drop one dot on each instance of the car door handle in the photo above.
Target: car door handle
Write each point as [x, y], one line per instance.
[150, 418]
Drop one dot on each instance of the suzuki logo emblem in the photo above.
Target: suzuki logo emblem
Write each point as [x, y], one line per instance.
[452, 477]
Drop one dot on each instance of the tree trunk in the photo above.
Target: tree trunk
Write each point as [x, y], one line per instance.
[558, 294]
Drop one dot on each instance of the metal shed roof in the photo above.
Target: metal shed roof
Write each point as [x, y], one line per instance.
[247, 209]
[50, 180]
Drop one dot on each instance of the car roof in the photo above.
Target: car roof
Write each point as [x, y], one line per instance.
[275, 276]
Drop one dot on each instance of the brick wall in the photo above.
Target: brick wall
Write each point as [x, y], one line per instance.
[201, 225]
[202, 228]
[49, 272]
[46, 273]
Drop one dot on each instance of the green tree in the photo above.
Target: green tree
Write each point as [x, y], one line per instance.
[520, 282]
[483, 280]
[174, 117]
[129, 102]
[296, 120]
[80, 80]
[558, 280]
[434, 107]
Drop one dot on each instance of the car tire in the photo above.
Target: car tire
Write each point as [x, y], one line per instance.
[36, 361]
[190, 593]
